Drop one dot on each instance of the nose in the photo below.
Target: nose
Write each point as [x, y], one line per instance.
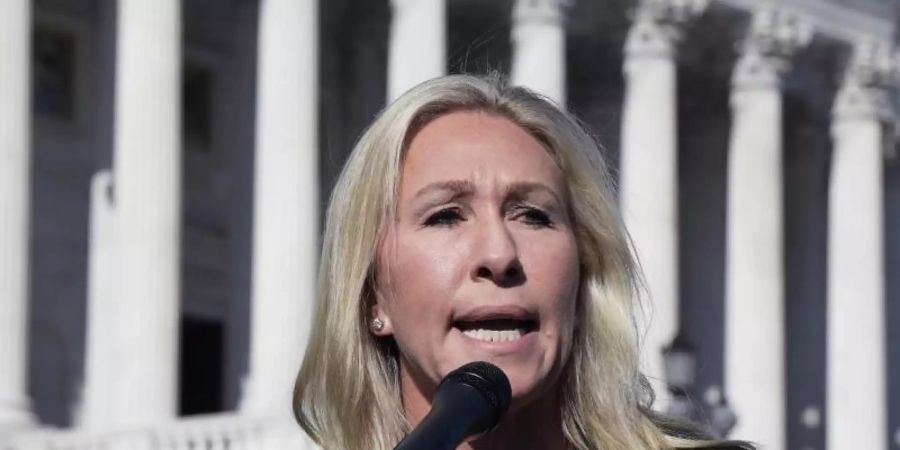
[496, 256]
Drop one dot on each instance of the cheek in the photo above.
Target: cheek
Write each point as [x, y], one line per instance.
[556, 269]
[567, 310]
[556, 273]
[418, 281]
[418, 289]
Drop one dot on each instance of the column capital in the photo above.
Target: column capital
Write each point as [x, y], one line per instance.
[772, 39]
[658, 26]
[863, 94]
[541, 10]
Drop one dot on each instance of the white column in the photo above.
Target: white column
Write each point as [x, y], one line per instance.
[286, 212]
[754, 312]
[856, 393]
[15, 163]
[100, 358]
[147, 200]
[539, 47]
[648, 172]
[418, 44]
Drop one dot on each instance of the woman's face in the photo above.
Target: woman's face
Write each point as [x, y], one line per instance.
[482, 262]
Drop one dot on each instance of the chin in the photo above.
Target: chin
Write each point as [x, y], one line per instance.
[529, 387]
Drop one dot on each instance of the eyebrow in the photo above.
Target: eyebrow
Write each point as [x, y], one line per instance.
[463, 188]
[458, 188]
[521, 189]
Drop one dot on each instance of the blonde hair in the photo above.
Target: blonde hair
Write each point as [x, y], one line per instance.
[347, 394]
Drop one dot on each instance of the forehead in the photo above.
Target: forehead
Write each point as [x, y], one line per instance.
[476, 146]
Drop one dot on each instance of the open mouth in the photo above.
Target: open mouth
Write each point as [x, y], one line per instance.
[496, 330]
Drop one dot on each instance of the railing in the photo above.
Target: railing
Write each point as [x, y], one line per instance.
[215, 432]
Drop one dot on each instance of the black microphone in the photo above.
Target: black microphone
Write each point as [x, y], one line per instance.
[469, 401]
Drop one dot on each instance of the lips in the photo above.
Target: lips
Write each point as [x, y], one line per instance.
[496, 323]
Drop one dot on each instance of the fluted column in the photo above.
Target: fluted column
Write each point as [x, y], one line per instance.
[147, 157]
[285, 234]
[15, 163]
[101, 294]
[754, 356]
[648, 180]
[856, 393]
[539, 47]
[417, 49]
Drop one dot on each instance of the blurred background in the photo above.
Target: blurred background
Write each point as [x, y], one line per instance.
[164, 168]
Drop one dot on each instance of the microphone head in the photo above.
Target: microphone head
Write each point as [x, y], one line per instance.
[488, 380]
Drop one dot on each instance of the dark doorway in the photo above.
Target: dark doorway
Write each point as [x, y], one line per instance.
[201, 366]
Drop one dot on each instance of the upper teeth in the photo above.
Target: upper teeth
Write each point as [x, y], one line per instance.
[495, 335]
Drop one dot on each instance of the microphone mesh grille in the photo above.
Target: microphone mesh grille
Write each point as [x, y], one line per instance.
[487, 379]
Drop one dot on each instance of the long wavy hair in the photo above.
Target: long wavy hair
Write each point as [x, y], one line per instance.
[347, 393]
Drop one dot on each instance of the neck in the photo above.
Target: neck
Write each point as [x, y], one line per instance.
[537, 425]
[531, 427]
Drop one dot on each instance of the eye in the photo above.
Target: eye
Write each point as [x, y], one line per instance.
[534, 217]
[445, 217]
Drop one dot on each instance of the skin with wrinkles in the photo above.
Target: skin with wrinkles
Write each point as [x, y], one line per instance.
[483, 232]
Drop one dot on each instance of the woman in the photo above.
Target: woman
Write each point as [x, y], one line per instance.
[476, 221]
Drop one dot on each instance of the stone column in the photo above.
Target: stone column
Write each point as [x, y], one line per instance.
[144, 325]
[856, 392]
[539, 47]
[648, 172]
[95, 404]
[754, 322]
[15, 164]
[286, 212]
[417, 44]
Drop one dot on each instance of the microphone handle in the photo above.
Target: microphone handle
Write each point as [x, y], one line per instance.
[455, 410]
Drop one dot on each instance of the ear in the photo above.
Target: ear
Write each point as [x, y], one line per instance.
[377, 311]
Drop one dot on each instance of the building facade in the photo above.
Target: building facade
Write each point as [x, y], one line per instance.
[165, 165]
